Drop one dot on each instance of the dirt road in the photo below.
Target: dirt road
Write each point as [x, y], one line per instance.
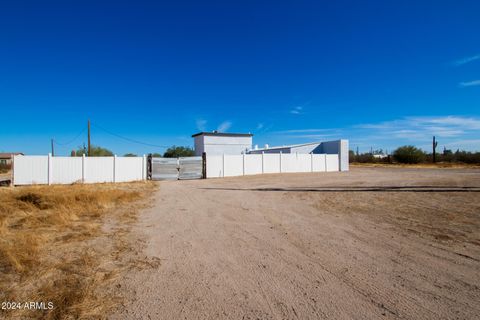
[367, 244]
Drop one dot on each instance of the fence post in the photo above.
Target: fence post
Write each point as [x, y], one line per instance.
[12, 183]
[326, 169]
[280, 161]
[114, 166]
[223, 165]
[311, 162]
[244, 164]
[83, 168]
[263, 170]
[144, 177]
[204, 165]
[49, 169]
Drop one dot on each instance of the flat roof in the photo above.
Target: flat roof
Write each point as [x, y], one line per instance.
[283, 147]
[223, 134]
[7, 155]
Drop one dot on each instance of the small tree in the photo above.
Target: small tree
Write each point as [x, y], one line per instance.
[156, 155]
[130, 155]
[175, 152]
[95, 151]
[409, 154]
[351, 156]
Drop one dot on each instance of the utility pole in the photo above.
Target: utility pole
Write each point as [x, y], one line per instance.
[434, 146]
[89, 138]
[53, 149]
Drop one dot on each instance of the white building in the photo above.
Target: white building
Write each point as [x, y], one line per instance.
[217, 143]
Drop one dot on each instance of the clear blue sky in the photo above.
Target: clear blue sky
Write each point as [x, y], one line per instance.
[380, 73]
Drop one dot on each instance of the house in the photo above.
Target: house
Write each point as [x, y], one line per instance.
[7, 157]
[218, 143]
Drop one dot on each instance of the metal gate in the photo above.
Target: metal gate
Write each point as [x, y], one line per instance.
[175, 168]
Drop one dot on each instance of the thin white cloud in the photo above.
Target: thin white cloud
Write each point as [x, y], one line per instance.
[469, 83]
[201, 124]
[415, 128]
[452, 131]
[260, 126]
[305, 130]
[466, 60]
[297, 110]
[224, 126]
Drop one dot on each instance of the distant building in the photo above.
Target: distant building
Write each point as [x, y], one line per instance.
[217, 143]
[7, 157]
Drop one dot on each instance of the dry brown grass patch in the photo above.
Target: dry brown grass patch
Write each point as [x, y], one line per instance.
[62, 244]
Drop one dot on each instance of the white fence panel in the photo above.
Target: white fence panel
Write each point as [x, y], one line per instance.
[304, 162]
[332, 162]
[129, 169]
[253, 164]
[98, 169]
[233, 165]
[30, 170]
[289, 162]
[271, 163]
[318, 162]
[66, 170]
[214, 166]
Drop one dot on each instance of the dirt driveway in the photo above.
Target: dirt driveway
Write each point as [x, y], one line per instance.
[366, 244]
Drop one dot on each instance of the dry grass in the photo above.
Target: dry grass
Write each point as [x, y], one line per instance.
[66, 244]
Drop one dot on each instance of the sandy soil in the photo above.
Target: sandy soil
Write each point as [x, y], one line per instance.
[366, 244]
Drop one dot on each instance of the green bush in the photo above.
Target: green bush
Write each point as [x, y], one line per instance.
[175, 152]
[409, 154]
[96, 151]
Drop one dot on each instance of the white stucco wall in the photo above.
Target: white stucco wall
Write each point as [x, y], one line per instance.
[339, 147]
[218, 145]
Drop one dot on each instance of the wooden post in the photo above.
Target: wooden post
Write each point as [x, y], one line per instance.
[204, 165]
[89, 149]
[53, 149]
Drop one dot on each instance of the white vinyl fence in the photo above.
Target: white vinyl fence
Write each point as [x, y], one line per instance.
[248, 164]
[66, 170]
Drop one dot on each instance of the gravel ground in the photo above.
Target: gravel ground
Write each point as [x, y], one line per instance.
[366, 244]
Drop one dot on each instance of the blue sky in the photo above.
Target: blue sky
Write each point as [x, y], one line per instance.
[379, 73]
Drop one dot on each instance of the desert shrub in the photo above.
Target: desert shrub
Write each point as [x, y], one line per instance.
[409, 154]
[467, 157]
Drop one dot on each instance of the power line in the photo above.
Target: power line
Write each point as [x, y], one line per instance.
[69, 142]
[128, 139]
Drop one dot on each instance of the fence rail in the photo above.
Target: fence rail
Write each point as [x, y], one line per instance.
[29, 170]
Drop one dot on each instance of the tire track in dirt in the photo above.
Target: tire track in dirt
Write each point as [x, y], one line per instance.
[306, 255]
